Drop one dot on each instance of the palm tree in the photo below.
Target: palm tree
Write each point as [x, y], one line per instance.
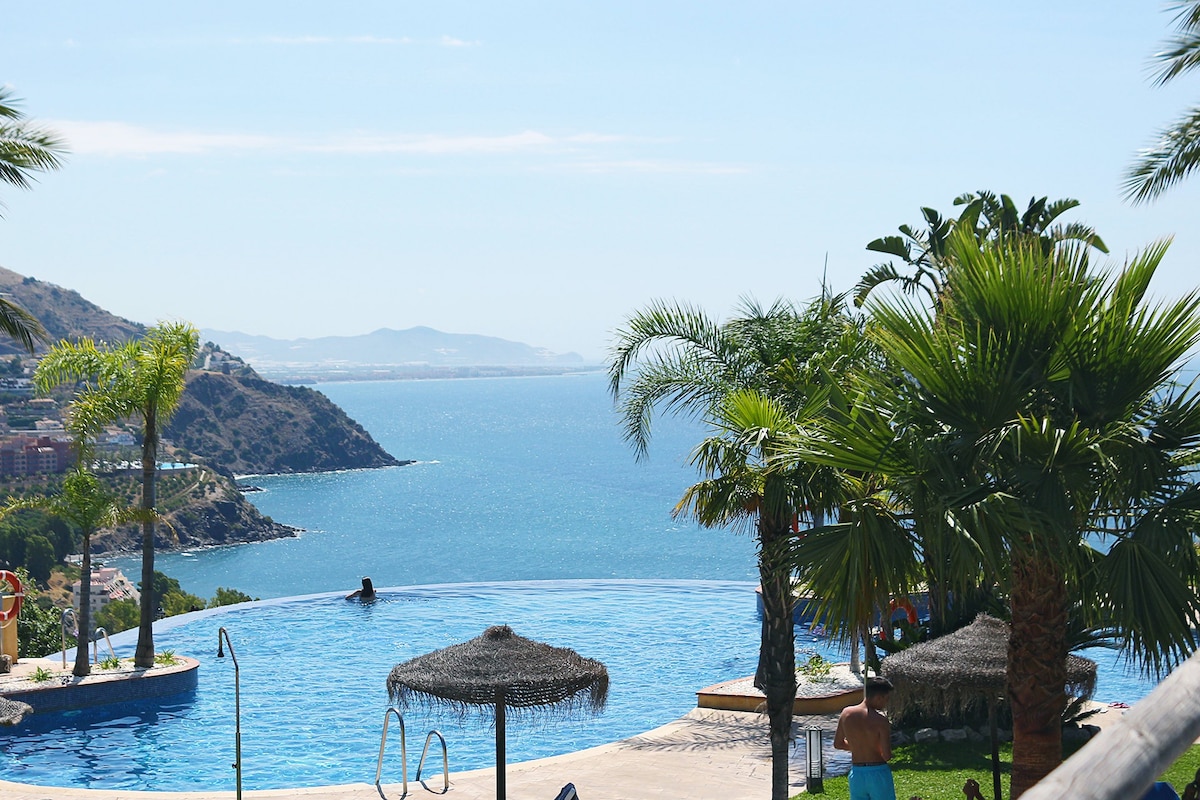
[86, 503]
[989, 217]
[1033, 413]
[1176, 154]
[24, 150]
[751, 379]
[143, 378]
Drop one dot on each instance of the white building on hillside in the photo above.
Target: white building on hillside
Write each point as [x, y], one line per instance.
[108, 584]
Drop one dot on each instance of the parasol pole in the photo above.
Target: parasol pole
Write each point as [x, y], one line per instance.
[500, 790]
[995, 747]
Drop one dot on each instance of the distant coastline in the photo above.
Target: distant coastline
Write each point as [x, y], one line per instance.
[309, 374]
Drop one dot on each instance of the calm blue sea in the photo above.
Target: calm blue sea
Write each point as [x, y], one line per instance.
[518, 479]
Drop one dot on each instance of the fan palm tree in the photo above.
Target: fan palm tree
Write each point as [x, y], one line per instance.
[989, 217]
[1176, 154]
[144, 378]
[751, 380]
[24, 150]
[1034, 413]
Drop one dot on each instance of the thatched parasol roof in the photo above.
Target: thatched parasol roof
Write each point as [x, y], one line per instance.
[532, 675]
[12, 712]
[965, 669]
[501, 670]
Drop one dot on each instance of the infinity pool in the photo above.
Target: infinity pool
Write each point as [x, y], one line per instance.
[313, 672]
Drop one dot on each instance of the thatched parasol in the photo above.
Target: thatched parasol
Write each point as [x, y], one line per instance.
[497, 671]
[12, 711]
[966, 669]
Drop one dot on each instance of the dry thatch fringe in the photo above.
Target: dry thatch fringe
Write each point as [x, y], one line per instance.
[465, 677]
[962, 670]
[12, 712]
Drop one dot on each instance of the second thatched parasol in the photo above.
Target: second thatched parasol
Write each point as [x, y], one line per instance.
[497, 671]
[965, 669]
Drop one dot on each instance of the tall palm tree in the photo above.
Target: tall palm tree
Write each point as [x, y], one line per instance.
[750, 379]
[144, 379]
[1034, 412]
[1176, 154]
[84, 501]
[24, 150]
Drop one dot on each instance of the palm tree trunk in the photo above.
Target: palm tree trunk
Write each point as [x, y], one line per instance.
[143, 656]
[1037, 653]
[776, 674]
[84, 618]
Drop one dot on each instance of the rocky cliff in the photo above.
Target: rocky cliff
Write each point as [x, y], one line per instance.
[202, 508]
[244, 424]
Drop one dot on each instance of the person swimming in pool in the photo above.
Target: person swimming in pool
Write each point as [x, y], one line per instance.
[365, 594]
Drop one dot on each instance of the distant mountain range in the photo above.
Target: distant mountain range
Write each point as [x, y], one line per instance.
[389, 349]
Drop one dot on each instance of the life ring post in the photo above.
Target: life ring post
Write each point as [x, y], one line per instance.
[898, 604]
[10, 609]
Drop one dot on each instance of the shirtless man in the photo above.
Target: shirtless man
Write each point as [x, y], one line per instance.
[866, 733]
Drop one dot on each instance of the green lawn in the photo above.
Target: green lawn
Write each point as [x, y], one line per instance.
[938, 771]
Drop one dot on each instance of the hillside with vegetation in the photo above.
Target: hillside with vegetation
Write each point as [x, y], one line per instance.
[229, 421]
[230, 418]
[242, 424]
[64, 313]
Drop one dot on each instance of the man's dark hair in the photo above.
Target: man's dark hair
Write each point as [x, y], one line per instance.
[877, 686]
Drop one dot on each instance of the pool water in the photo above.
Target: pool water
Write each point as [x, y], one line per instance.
[313, 674]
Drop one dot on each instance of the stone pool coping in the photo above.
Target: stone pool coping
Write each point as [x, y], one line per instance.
[64, 691]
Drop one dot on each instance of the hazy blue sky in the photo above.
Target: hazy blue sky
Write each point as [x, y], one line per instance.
[539, 170]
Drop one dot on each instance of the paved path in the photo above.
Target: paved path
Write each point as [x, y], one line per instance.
[705, 755]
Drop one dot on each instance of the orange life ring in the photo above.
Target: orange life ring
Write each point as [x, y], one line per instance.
[906, 604]
[11, 579]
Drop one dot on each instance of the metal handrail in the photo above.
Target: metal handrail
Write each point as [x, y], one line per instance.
[96, 645]
[403, 748]
[69, 612]
[222, 640]
[445, 763]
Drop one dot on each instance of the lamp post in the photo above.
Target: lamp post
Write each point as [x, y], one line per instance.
[815, 775]
[222, 640]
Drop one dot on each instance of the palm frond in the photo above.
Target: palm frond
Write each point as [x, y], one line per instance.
[1174, 156]
[21, 325]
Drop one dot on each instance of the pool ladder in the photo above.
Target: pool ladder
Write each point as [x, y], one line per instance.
[404, 755]
[70, 624]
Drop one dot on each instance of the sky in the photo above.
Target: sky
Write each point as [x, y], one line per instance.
[539, 171]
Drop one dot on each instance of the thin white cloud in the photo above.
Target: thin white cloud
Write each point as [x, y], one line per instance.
[654, 166]
[125, 139]
[439, 145]
[330, 40]
[584, 152]
[302, 40]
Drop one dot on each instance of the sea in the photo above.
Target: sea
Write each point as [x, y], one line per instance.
[515, 479]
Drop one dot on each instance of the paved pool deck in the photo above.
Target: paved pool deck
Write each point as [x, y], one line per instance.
[707, 754]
